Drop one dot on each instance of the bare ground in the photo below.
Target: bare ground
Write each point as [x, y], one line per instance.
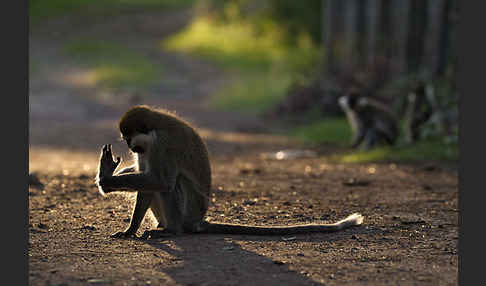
[409, 235]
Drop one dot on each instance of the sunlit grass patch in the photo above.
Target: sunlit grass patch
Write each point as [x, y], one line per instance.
[374, 155]
[237, 45]
[263, 62]
[423, 150]
[112, 65]
[333, 130]
[338, 132]
[251, 93]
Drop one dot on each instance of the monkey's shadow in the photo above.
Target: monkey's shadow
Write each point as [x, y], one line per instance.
[209, 259]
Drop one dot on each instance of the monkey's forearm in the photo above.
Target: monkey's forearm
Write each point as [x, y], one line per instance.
[138, 182]
[126, 170]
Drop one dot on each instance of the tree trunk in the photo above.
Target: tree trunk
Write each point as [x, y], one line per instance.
[327, 37]
[445, 37]
[432, 36]
[400, 15]
[350, 34]
[372, 21]
[416, 33]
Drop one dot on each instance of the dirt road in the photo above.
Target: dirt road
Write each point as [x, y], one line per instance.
[409, 235]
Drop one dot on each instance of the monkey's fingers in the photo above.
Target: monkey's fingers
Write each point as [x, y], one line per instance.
[103, 153]
[108, 152]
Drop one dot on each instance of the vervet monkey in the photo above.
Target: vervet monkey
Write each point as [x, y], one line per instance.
[172, 176]
[372, 122]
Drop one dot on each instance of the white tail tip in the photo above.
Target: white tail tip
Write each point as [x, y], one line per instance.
[353, 219]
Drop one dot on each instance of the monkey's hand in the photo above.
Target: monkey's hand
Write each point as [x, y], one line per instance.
[106, 168]
[107, 164]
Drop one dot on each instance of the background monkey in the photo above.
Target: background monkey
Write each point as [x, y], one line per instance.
[172, 176]
[371, 121]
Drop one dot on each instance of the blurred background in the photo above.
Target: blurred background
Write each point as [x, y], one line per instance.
[245, 72]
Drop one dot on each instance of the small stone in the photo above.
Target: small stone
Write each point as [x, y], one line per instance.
[89, 227]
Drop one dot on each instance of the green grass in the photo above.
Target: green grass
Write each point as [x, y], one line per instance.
[112, 65]
[40, 10]
[264, 65]
[337, 131]
[236, 45]
[425, 150]
[252, 93]
[333, 130]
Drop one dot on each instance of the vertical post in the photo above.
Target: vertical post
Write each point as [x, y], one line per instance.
[445, 38]
[435, 9]
[350, 26]
[372, 21]
[327, 37]
[400, 15]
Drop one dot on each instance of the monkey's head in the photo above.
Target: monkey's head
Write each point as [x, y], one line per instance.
[137, 126]
[352, 100]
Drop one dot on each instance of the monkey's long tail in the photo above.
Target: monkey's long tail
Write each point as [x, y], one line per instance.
[222, 228]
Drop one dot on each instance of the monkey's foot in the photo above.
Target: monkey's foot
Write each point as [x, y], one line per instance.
[156, 233]
[124, 234]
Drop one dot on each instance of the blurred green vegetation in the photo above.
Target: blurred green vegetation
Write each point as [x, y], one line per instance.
[40, 10]
[293, 18]
[329, 130]
[264, 62]
[431, 149]
[238, 45]
[112, 65]
[268, 46]
[336, 131]
[252, 93]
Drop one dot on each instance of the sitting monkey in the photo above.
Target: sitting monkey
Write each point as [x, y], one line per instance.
[371, 121]
[172, 177]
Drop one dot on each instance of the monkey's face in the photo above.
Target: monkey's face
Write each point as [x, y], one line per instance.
[139, 142]
[348, 102]
[353, 101]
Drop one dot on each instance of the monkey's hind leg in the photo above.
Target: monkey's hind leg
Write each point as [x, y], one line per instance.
[161, 231]
[168, 207]
[370, 140]
[141, 206]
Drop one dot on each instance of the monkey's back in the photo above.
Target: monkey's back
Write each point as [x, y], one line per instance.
[189, 149]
